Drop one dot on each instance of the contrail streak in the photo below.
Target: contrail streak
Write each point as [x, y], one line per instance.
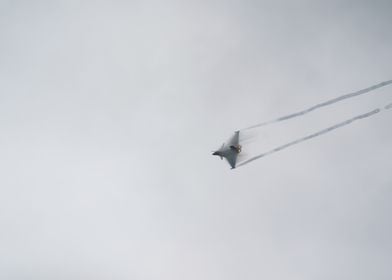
[319, 133]
[323, 104]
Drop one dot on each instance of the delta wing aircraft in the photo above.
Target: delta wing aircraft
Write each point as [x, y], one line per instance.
[230, 150]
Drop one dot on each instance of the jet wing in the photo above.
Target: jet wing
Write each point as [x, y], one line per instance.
[232, 159]
[234, 141]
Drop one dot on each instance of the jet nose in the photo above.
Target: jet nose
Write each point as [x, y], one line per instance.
[215, 153]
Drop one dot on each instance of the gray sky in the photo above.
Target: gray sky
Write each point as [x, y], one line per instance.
[109, 111]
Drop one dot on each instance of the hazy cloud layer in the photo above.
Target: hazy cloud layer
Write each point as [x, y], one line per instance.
[109, 111]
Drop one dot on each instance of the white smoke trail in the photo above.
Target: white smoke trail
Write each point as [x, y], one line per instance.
[323, 104]
[319, 133]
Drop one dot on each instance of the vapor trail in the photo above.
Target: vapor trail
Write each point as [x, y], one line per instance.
[323, 104]
[319, 133]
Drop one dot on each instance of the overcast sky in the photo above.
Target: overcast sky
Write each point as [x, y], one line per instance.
[109, 111]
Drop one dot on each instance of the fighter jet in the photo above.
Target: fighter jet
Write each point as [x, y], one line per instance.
[230, 150]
